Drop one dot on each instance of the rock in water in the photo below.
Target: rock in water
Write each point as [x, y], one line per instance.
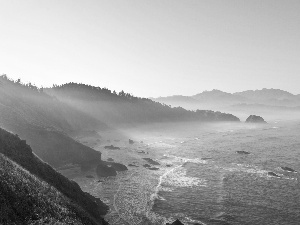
[288, 169]
[273, 174]
[103, 170]
[243, 152]
[206, 158]
[111, 147]
[117, 166]
[131, 141]
[255, 119]
[130, 164]
[177, 222]
[153, 168]
[151, 161]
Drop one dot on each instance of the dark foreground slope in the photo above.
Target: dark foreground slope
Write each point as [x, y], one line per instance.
[122, 108]
[46, 124]
[31, 190]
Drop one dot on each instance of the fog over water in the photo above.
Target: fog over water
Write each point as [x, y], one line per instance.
[202, 178]
[162, 110]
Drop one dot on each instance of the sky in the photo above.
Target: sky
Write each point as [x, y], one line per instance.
[153, 48]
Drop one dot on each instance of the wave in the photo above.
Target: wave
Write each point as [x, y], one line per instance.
[178, 178]
[190, 220]
[175, 177]
[166, 189]
[157, 188]
[252, 169]
[149, 214]
[185, 160]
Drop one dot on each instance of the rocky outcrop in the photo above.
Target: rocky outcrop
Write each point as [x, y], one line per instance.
[117, 166]
[243, 152]
[111, 147]
[177, 222]
[153, 168]
[104, 170]
[255, 119]
[107, 169]
[288, 169]
[213, 221]
[273, 174]
[151, 161]
[132, 165]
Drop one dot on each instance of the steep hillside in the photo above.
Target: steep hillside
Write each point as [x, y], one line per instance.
[31, 192]
[38, 108]
[123, 108]
[46, 124]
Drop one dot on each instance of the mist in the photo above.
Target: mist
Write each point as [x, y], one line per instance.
[149, 112]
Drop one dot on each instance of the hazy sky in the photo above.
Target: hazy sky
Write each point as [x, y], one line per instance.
[154, 47]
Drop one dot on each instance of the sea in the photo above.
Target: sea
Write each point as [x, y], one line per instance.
[201, 178]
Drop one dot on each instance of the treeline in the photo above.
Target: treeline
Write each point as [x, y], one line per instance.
[93, 93]
[20, 83]
[47, 124]
[110, 106]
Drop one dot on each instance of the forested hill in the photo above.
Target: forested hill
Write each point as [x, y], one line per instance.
[31, 192]
[114, 108]
[46, 123]
[35, 106]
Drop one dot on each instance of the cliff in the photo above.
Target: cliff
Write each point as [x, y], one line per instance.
[32, 190]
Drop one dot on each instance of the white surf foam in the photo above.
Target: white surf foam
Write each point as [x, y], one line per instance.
[178, 178]
[184, 160]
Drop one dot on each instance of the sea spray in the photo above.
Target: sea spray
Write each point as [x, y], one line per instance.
[173, 179]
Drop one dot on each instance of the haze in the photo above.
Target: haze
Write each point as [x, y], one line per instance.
[153, 48]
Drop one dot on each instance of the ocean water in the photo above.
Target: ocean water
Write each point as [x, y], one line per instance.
[202, 179]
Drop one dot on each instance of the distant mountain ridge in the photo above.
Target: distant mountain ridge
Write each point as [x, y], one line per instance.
[217, 95]
[269, 97]
[265, 94]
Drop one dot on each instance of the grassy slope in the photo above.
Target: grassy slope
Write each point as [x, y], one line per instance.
[26, 199]
[42, 176]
